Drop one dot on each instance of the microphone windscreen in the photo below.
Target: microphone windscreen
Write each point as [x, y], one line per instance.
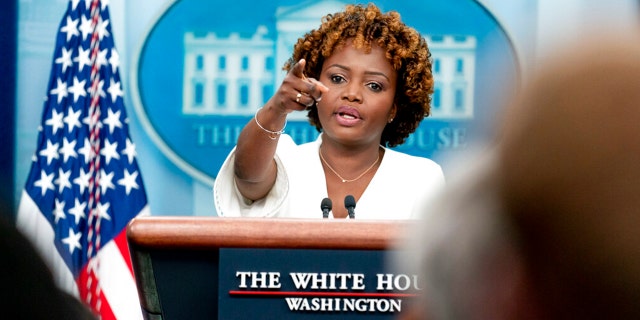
[349, 201]
[325, 204]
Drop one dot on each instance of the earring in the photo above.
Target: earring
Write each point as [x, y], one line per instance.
[390, 120]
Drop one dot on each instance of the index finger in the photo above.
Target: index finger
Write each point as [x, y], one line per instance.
[298, 69]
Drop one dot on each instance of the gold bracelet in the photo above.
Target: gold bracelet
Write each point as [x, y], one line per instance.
[272, 134]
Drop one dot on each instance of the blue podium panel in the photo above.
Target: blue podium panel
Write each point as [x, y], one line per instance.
[308, 284]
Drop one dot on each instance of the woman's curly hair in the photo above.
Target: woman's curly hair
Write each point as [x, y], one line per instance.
[405, 48]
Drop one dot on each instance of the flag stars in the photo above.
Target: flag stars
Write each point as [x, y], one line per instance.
[102, 29]
[109, 151]
[115, 90]
[72, 119]
[104, 4]
[103, 211]
[98, 89]
[83, 58]
[51, 152]
[82, 181]
[63, 180]
[113, 120]
[78, 89]
[45, 183]
[78, 210]
[88, 120]
[130, 151]
[114, 60]
[58, 211]
[55, 121]
[106, 181]
[129, 181]
[68, 149]
[86, 27]
[71, 28]
[65, 59]
[85, 151]
[60, 90]
[73, 240]
[101, 59]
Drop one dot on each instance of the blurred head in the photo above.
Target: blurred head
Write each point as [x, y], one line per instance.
[570, 161]
[547, 226]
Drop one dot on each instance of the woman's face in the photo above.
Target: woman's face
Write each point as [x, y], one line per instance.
[360, 100]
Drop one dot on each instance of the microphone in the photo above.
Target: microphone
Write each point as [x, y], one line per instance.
[350, 204]
[325, 205]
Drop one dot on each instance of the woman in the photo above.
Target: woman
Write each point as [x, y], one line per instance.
[365, 79]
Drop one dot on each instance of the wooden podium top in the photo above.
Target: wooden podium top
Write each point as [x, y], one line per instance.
[209, 232]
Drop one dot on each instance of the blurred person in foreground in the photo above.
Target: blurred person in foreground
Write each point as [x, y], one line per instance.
[27, 287]
[546, 225]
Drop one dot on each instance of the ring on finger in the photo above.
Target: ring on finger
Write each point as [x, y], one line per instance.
[298, 97]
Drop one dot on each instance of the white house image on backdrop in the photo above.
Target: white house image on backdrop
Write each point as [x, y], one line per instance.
[235, 76]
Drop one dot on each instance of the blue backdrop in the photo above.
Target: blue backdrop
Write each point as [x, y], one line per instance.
[176, 152]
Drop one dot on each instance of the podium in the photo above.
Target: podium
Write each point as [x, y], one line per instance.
[266, 268]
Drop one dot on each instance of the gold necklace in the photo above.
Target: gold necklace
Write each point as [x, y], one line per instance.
[339, 176]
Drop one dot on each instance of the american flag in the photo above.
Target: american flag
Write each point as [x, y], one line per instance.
[85, 185]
